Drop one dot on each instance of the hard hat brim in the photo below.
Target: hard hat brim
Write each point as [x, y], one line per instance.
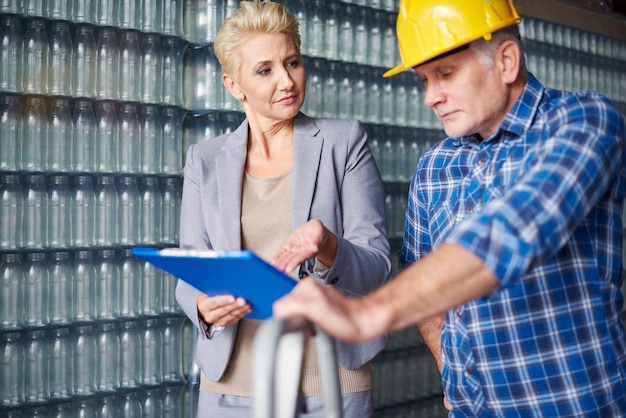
[394, 71]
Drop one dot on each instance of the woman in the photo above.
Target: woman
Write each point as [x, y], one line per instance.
[303, 193]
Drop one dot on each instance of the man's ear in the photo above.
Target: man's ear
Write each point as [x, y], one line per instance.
[232, 87]
[508, 60]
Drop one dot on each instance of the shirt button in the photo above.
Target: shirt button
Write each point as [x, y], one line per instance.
[469, 370]
[459, 314]
[470, 210]
[481, 161]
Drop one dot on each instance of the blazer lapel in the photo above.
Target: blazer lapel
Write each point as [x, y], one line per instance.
[307, 154]
[230, 169]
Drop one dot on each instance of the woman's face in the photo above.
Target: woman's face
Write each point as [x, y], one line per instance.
[272, 78]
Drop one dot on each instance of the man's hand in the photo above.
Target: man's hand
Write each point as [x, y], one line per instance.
[340, 317]
[222, 310]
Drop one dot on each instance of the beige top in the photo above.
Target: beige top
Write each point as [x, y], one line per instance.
[265, 225]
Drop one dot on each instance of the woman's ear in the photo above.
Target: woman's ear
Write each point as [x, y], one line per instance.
[509, 60]
[232, 87]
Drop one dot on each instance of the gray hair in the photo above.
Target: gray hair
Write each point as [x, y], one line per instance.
[486, 50]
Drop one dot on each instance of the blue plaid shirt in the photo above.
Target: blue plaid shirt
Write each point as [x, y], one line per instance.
[540, 203]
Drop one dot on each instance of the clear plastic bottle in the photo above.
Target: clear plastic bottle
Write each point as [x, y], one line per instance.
[35, 227]
[401, 94]
[130, 139]
[202, 78]
[84, 290]
[34, 135]
[108, 359]
[151, 17]
[84, 60]
[11, 212]
[130, 278]
[11, 369]
[361, 35]
[106, 211]
[81, 10]
[36, 379]
[83, 137]
[107, 64]
[107, 137]
[104, 12]
[172, 330]
[83, 212]
[60, 60]
[202, 19]
[84, 353]
[151, 206]
[331, 31]
[152, 404]
[315, 80]
[59, 10]
[59, 212]
[61, 283]
[172, 85]
[151, 353]
[108, 284]
[35, 57]
[61, 386]
[130, 351]
[151, 69]
[128, 14]
[389, 99]
[172, 196]
[346, 32]
[389, 41]
[10, 132]
[374, 96]
[60, 135]
[151, 139]
[172, 140]
[131, 407]
[109, 407]
[11, 291]
[375, 38]
[32, 8]
[11, 54]
[314, 38]
[129, 211]
[387, 158]
[36, 289]
[130, 66]
[360, 89]
[330, 90]
[173, 17]
[150, 289]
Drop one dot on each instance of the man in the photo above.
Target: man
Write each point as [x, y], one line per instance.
[512, 247]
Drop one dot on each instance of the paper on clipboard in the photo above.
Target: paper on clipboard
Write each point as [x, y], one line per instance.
[239, 273]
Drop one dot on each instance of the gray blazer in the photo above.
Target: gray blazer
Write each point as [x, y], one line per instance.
[335, 180]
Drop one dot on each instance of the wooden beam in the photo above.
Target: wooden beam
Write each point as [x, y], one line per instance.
[570, 14]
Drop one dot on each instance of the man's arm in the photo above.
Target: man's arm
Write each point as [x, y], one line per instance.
[448, 277]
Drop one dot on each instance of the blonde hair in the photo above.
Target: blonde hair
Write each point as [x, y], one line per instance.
[253, 17]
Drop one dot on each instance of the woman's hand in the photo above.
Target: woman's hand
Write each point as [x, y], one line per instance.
[312, 239]
[222, 310]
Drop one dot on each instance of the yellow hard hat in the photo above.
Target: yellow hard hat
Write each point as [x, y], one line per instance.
[429, 28]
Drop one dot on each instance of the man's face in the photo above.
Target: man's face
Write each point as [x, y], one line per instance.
[468, 96]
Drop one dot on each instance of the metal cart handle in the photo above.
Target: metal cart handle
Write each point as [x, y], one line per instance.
[278, 355]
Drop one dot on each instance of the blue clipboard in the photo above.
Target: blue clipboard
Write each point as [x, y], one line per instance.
[239, 273]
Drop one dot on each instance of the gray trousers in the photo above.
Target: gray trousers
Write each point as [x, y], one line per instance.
[214, 405]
